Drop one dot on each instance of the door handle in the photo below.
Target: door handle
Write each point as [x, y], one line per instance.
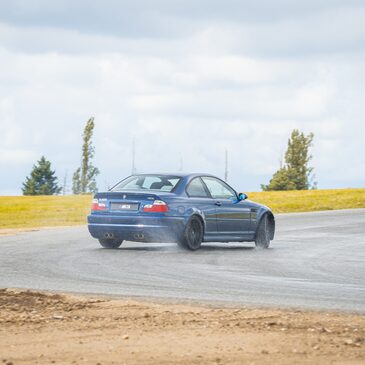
[218, 203]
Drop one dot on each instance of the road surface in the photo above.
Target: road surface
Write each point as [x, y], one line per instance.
[317, 261]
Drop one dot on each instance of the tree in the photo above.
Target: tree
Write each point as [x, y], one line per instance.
[41, 180]
[83, 180]
[295, 174]
[280, 181]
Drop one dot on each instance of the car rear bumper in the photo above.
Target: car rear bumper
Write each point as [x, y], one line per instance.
[144, 229]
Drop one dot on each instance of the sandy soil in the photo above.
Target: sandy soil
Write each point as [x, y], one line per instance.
[42, 328]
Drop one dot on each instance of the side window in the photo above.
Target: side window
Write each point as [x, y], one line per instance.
[196, 189]
[218, 189]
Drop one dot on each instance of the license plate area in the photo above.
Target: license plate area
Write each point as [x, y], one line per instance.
[124, 206]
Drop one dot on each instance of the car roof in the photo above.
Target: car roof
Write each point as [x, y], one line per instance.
[178, 174]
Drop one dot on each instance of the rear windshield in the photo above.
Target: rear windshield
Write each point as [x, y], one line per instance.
[148, 182]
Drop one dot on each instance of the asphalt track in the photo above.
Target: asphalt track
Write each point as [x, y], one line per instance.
[316, 261]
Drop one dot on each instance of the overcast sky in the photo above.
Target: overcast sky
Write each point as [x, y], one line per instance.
[187, 80]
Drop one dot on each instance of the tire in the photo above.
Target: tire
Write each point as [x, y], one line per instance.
[110, 243]
[262, 239]
[193, 235]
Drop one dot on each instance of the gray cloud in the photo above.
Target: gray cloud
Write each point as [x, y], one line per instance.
[259, 27]
[143, 18]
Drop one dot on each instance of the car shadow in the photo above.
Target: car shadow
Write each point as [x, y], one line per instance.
[226, 248]
[175, 248]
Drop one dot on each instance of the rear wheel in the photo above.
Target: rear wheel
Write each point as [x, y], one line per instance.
[263, 233]
[111, 243]
[193, 235]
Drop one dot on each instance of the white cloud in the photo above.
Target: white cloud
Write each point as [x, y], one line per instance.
[9, 157]
[227, 83]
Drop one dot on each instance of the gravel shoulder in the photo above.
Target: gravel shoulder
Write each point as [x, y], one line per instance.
[14, 231]
[45, 328]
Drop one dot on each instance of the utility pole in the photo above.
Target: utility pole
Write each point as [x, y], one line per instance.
[133, 157]
[64, 187]
[226, 168]
[282, 157]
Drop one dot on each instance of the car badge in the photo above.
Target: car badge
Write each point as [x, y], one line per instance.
[124, 196]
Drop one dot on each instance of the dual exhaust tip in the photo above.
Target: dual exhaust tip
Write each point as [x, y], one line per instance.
[137, 236]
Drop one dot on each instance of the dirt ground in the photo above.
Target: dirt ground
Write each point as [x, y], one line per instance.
[44, 328]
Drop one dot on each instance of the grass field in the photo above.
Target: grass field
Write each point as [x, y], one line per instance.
[310, 200]
[50, 211]
[43, 211]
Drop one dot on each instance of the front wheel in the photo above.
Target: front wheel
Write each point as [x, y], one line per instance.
[263, 234]
[111, 243]
[193, 235]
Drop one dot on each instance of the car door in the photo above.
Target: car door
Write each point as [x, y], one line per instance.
[233, 217]
[199, 197]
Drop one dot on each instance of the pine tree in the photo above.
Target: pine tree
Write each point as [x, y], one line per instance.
[41, 180]
[83, 180]
[296, 174]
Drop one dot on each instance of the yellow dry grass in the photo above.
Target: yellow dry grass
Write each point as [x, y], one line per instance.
[50, 211]
[43, 211]
[310, 200]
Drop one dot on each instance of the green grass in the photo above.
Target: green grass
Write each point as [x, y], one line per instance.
[50, 211]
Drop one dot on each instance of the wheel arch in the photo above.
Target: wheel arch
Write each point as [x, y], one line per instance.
[184, 240]
[200, 215]
[271, 222]
[202, 220]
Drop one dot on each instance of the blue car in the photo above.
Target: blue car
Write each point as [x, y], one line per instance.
[184, 208]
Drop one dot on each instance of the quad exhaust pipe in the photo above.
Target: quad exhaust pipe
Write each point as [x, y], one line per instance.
[108, 235]
[137, 236]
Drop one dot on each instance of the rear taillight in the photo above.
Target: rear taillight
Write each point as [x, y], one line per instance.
[158, 206]
[98, 205]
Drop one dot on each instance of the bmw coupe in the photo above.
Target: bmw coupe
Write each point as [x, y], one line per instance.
[184, 208]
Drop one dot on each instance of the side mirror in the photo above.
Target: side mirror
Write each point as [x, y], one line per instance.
[242, 196]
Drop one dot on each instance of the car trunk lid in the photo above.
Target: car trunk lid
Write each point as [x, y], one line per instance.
[124, 202]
